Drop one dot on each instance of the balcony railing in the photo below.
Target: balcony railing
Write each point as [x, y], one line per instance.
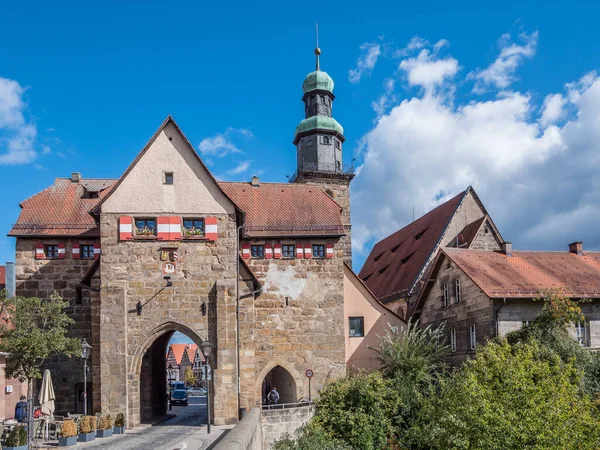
[328, 169]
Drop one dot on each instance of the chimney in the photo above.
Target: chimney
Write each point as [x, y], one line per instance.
[255, 181]
[576, 247]
[75, 177]
[507, 248]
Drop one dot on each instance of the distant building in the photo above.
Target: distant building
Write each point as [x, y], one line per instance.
[483, 294]
[2, 277]
[398, 264]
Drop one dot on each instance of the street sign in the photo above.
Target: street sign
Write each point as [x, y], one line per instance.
[308, 373]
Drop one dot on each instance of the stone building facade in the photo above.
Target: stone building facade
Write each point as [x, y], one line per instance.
[482, 294]
[257, 269]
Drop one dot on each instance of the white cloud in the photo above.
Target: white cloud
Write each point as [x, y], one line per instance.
[553, 109]
[501, 73]
[536, 169]
[381, 105]
[429, 71]
[221, 144]
[240, 168]
[46, 150]
[366, 61]
[17, 134]
[416, 43]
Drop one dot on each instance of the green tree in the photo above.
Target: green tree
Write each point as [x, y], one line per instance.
[189, 378]
[32, 330]
[511, 397]
[310, 438]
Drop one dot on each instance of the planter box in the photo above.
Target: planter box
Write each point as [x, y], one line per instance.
[87, 437]
[67, 441]
[119, 430]
[20, 447]
[104, 433]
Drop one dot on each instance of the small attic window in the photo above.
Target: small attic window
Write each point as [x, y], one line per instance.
[90, 194]
[378, 257]
[168, 177]
[418, 236]
[383, 270]
[367, 277]
[485, 230]
[405, 259]
[396, 247]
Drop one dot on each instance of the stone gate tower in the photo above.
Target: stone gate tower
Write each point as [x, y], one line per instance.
[318, 140]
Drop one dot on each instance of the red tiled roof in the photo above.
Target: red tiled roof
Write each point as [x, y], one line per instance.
[178, 350]
[526, 272]
[285, 209]
[62, 210]
[3, 275]
[395, 262]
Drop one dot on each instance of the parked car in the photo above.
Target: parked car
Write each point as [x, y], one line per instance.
[177, 385]
[196, 391]
[179, 396]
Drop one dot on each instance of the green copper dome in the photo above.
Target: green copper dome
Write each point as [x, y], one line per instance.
[317, 80]
[319, 122]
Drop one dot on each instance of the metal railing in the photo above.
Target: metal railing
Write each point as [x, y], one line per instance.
[328, 169]
[297, 404]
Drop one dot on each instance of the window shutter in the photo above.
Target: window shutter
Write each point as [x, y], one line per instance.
[277, 251]
[246, 251]
[329, 251]
[175, 228]
[125, 228]
[97, 251]
[39, 251]
[210, 228]
[61, 251]
[75, 251]
[268, 251]
[163, 228]
[299, 251]
[308, 250]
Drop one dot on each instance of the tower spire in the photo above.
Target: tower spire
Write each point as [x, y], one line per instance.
[317, 49]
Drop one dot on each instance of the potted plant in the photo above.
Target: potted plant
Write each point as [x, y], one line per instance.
[120, 424]
[68, 434]
[87, 430]
[105, 428]
[17, 439]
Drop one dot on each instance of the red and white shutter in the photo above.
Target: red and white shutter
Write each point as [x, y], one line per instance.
[75, 251]
[299, 251]
[308, 250]
[125, 228]
[61, 251]
[329, 251]
[39, 251]
[268, 251]
[175, 228]
[246, 251]
[97, 251]
[210, 228]
[277, 251]
[163, 228]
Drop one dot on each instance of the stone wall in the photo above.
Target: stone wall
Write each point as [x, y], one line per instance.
[41, 277]
[131, 272]
[246, 435]
[486, 239]
[276, 423]
[297, 323]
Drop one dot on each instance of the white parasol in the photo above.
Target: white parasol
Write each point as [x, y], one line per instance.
[47, 395]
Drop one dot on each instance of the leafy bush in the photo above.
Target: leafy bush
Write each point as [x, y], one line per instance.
[120, 420]
[17, 437]
[105, 422]
[68, 429]
[310, 438]
[88, 424]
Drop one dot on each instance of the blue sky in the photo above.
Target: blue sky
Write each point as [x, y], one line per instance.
[433, 97]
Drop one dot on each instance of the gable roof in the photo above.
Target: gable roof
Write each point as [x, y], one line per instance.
[525, 273]
[395, 263]
[167, 121]
[178, 350]
[285, 209]
[62, 209]
[467, 235]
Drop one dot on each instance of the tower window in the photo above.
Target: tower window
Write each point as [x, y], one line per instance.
[326, 140]
[337, 144]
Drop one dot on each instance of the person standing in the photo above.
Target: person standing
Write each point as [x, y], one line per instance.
[273, 396]
[21, 410]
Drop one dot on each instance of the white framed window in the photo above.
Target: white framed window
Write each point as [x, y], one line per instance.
[445, 294]
[472, 337]
[581, 333]
[452, 340]
[457, 293]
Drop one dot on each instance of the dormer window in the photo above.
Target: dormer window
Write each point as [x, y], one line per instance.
[145, 227]
[168, 177]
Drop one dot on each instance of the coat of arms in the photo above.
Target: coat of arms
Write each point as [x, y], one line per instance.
[169, 257]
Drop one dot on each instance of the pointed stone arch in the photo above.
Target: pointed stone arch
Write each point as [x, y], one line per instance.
[301, 390]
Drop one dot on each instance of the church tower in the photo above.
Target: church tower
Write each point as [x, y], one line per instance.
[318, 140]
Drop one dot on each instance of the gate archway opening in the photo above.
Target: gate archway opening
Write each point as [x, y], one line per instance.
[285, 384]
[172, 362]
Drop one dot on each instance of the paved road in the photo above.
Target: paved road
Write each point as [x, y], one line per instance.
[185, 431]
